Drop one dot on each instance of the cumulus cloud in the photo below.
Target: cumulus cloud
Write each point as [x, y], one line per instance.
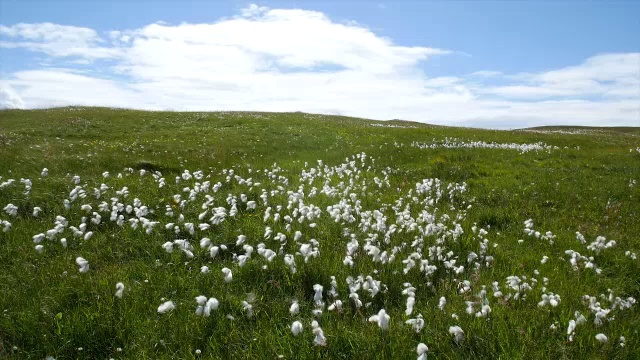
[606, 75]
[9, 99]
[56, 40]
[298, 60]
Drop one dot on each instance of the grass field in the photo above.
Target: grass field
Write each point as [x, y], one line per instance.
[392, 216]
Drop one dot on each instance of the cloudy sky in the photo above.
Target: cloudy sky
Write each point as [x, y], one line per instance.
[480, 63]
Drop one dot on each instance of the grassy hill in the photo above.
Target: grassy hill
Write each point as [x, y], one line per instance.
[288, 201]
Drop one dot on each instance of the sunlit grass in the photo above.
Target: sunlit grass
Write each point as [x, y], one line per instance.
[348, 224]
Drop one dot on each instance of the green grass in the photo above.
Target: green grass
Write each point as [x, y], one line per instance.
[49, 308]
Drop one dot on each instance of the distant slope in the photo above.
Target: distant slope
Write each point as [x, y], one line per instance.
[585, 129]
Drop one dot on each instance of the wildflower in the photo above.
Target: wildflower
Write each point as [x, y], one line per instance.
[44, 172]
[168, 246]
[212, 304]
[11, 210]
[83, 264]
[337, 305]
[417, 324]
[39, 248]
[319, 339]
[457, 333]
[248, 308]
[36, 211]
[411, 300]
[602, 338]
[166, 307]
[228, 276]
[550, 299]
[317, 297]
[201, 300]
[296, 328]
[38, 238]
[6, 226]
[422, 351]
[382, 319]
[119, 290]
[442, 303]
[294, 309]
[601, 243]
[213, 251]
[204, 269]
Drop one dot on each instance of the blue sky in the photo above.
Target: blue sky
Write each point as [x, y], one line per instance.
[580, 62]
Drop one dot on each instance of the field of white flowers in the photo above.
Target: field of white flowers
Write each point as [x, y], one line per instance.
[336, 258]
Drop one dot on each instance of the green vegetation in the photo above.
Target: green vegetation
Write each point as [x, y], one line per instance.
[588, 183]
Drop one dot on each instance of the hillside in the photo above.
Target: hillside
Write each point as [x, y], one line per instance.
[521, 232]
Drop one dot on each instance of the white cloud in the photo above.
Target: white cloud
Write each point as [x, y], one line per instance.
[486, 73]
[9, 99]
[57, 40]
[606, 75]
[298, 60]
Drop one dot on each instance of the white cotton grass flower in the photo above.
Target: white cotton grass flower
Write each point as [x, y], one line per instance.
[44, 172]
[317, 297]
[422, 350]
[212, 304]
[166, 307]
[39, 248]
[319, 339]
[248, 308]
[36, 211]
[458, 334]
[228, 275]
[417, 324]
[6, 226]
[206, 306]
[83, 264]
[442, 303]
[411, 300]
[382, 319]
[294, 309]
[336, 305]
[296, 328]
[549, 299]
[11, 210]
[204, 269]
[168, 246]
[119, 290]
[602, 338]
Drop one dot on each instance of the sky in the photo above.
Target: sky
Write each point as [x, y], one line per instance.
[492, 64]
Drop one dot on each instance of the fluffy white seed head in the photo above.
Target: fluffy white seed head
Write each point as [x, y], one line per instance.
[119, 290]
[166, 307]
[296, 328]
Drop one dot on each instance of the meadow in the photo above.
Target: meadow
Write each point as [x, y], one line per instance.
[235, 235]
